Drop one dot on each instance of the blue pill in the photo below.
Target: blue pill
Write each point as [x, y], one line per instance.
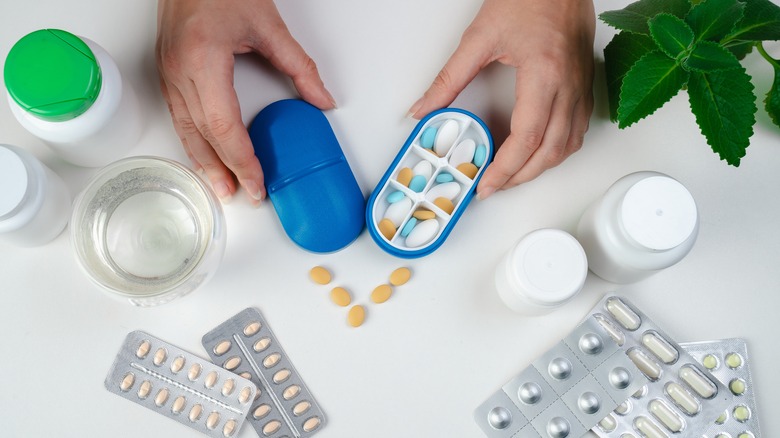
[444, 177]
[480, 155]
[417, 184]
[395, 196]
[427, 138]
[408, 227]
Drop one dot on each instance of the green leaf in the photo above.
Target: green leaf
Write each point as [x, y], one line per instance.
[650, 83]
[634, 17]
[772, 100]
[708, 56]
[671, 34]
[741, 50]
[620, 55]
[725, 109]
[713, 19]
[760, 23]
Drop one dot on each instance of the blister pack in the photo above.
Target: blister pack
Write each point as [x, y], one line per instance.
[284, 407]
[679, 397]
[180, 385]
[727, 360]
[565, 392]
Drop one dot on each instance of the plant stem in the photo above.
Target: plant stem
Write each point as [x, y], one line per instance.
[775, 63]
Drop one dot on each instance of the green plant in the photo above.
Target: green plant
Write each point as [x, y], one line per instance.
[667, 45]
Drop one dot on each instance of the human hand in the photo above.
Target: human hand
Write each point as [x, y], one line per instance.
[196, 44]
[551, 45]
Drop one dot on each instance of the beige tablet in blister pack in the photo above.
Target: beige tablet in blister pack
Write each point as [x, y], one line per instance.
[284, 407]
[180, 385]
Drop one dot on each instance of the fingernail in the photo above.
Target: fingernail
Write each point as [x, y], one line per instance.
[254, 189]
[485, 193]
[223, 192]
[416, 107]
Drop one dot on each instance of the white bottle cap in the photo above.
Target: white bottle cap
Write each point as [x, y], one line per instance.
[14, 182]
[658, 213]
[548, 267]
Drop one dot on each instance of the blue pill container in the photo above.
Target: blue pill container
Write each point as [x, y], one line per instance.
[436, 150]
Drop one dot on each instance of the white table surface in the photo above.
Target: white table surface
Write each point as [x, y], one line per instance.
[444, 342]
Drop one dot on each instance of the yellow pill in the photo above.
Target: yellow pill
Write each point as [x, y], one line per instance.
[404, 176]
[741, 413]
[424, 214]
[737, 386]
[340, 296]
[356, 316]
[381, 293]
[468, 169]
[387, 228]
[710, 362]
[400, 276]
[445, 204]
[733, 360]
[320, 275]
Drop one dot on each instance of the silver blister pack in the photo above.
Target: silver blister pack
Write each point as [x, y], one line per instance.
[680, 398]
[284, 407]
[564, 392]
[180, 385]
[728, 361]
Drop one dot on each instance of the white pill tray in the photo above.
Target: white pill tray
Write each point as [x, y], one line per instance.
[470, 127]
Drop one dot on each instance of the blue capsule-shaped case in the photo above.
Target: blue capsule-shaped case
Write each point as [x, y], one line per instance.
[307, 176]
[435, 155]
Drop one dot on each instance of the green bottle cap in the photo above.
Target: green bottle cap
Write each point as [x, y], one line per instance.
[52, 74]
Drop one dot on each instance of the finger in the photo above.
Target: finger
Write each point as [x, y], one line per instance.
[471, 56]
[527, 129]
[182, 138]
[202, 152]
[219, 122]
[287, 56]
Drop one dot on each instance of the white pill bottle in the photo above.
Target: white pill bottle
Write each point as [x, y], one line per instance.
[34, 201]
[645, 222]
[543, 271]
[68, 92]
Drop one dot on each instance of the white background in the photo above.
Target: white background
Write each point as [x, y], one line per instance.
[444, 342]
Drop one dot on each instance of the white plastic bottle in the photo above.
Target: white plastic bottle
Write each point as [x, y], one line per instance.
[68, 92]
[543, 271]
[645, 222]
[34, 201]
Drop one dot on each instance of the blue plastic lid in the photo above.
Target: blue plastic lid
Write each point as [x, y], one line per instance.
[307, 177]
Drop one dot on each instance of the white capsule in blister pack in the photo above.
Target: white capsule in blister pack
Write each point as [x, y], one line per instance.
[565, 392]
[680, 398]
[180, 385]
[284, 406]
[727, 360]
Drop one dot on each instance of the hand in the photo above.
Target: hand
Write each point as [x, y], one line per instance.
[551, 44]
[196, 44]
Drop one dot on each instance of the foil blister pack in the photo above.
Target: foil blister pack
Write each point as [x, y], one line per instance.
[728, 361]
[565, 392]
[180, 385]
[284, 406]
[679, 397]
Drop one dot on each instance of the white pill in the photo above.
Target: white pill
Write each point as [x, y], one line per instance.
[424, 168]
[397, 211]
[447, 190]
[623, 314]
[703, 386]
[648, 428]
[682, 398]
[422, 233]
[662, 349]
[608, 423]
[611, 330]
[665, 415]
[445, 137]
[463, 152]
[647, 366]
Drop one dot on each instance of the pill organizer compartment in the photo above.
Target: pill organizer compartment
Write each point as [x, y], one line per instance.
[424, 192]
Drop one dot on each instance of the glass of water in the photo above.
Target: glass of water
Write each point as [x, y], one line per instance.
[148, 229]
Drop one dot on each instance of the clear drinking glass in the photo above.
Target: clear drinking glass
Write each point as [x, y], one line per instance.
[148, 229]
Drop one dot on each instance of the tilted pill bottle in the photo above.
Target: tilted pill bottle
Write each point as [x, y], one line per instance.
[543, 271]
[34, 201]
[68, 92]
[645, 222]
